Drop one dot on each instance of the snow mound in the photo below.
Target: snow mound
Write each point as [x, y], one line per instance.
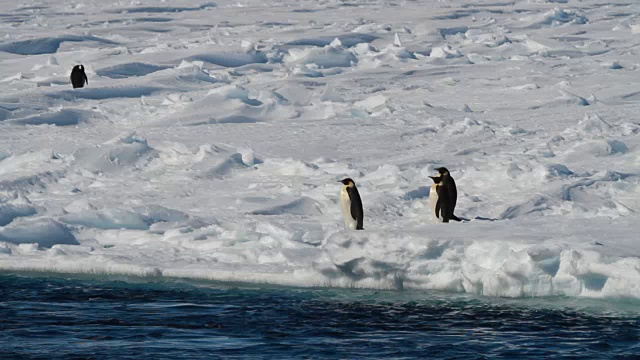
[495, 268]
[43, 232]
[14, 207]
[538, 205]
[347, 40]
[303, 206]
[209, 161]
[231, 104]
[332, 55]
[122, 71]
[164, 9]
[608, 195]
[62, 117]
[450, 31]
[158, 213]
[288, 167]
[230, 59]
[427, 30]
[229, 165]
[369, 57]
[469, 125]
[444, 52]
[4, 154]
[592, 126]
[128, 152]
[191, 72]
[133, 91]
[234, 92]
[597, 148]
[140, 218]
[490, 39]
[30, 170]
[555, 17]
[566, 99]
[5, 114]
[108, 219]
[48, 45]
[372, 103]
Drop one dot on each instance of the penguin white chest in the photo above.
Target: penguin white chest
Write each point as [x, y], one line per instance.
[345, 205]
[433, 200]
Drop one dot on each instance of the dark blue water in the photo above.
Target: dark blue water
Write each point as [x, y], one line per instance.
[79, 318]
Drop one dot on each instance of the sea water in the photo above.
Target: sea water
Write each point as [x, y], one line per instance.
[45, 317]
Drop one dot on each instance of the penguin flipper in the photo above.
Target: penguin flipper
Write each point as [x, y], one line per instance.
[442, 205]
[441, 211]
[356, 207]
[85, 78]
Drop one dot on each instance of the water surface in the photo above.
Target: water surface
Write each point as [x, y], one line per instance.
[44, 317]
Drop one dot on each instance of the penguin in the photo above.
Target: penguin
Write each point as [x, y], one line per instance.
[78, 77]
[443, 196]
[351, 205]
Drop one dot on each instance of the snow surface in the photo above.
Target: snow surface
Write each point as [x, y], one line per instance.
[210, 138]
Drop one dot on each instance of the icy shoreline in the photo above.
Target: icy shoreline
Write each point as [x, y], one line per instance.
[534, 265]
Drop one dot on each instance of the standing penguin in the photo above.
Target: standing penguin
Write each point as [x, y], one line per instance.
[351, 205]
[78, 77]
[443, 196]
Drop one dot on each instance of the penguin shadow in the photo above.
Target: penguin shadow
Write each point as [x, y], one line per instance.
[478, 218]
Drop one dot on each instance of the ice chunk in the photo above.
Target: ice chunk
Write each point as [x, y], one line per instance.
[43, 232]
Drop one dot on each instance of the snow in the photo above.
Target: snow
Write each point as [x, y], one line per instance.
[210, 139]
[61, 117]
[46, 45]
[44, 233]
[129, 70]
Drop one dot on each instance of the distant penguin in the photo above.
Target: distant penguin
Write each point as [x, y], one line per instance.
[443, 196]
[351, 205]
[78, 77]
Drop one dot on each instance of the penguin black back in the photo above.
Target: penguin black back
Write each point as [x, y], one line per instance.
[78, 77]
[355, 209]
[451, 187]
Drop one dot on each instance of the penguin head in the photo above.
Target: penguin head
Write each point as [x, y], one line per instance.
[78, 68]
[442, 171]
[436, 179]
[347, 182]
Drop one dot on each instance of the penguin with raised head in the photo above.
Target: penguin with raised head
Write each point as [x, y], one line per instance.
[443, 196]
[78, 77]
[351, 205]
